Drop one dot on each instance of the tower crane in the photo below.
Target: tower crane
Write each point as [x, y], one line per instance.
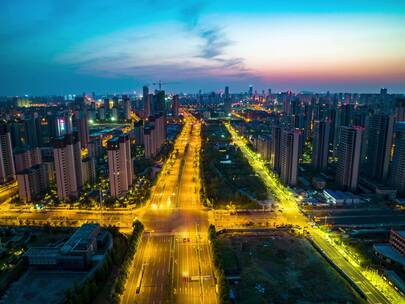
[160, 83]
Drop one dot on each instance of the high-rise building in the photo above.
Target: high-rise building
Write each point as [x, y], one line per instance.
[159, 105]
[17, 133]
[227, 101]
[126, 104]
[347, 114]
[380, 133]
[119, 165]
[320, 144]
[95, 148]
[275, 148]
[67, 158]
[138, 132]
[264, 146]
[89, 170]
[149, 141]
[145, 92]
[101, 113]
[82, 127]
[397, 172]
[106, 105]
[79, 101]
[400, 109]
[347, 170]
[175, 106]
[114, 114]
[289, 156]
[7, 170]
[32, 182]
[147, 107]
[31, 128]
[25, 158]
[77, 153]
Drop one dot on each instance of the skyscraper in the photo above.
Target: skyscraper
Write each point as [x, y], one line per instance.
[147, 107]
[227, 101]
[126, 104]
[31, 128]
[82, 127]
[106, 105]
[347, 170]
[68, 174]
[25, 158]
[289, 156]
[397, 172]
[32, 182]
[175, 106]
[320, 144]
[89, 170]
[380, 133]
[7, 170]
[77, 153]
[275, 148]
[400, 109]
[145, 92]
[159, 102]
[138, 132]
[119, 165]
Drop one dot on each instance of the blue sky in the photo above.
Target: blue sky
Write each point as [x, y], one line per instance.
[61, 46]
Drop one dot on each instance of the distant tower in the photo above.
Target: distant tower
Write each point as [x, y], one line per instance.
[289, 156]
[147, 110]
[347, 171]
[250, 91]
[175, 106]
[119, 165]
[380, 133]
[7, 170]
[320, 144]
[227, 101]
[126, 107]
[106, 105]
[159, 105]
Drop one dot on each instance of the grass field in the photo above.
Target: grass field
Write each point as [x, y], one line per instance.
[281, 269]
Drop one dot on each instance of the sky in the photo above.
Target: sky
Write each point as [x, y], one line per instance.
[75, 46]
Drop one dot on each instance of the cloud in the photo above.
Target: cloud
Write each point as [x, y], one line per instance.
[215, 42]
[185, 48]
[191, 12]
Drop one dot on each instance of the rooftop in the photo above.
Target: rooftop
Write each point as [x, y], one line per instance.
[400, 232]
[389, 252]
[81, 237]
[43, 251]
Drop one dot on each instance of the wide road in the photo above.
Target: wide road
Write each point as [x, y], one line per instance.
[291, 214]
[173, 262]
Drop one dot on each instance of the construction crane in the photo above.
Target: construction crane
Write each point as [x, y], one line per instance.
[160, 83]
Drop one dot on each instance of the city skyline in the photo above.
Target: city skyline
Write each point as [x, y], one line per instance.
[63, 47]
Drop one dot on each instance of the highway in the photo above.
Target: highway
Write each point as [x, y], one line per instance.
[173, 262]
[291, 214]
